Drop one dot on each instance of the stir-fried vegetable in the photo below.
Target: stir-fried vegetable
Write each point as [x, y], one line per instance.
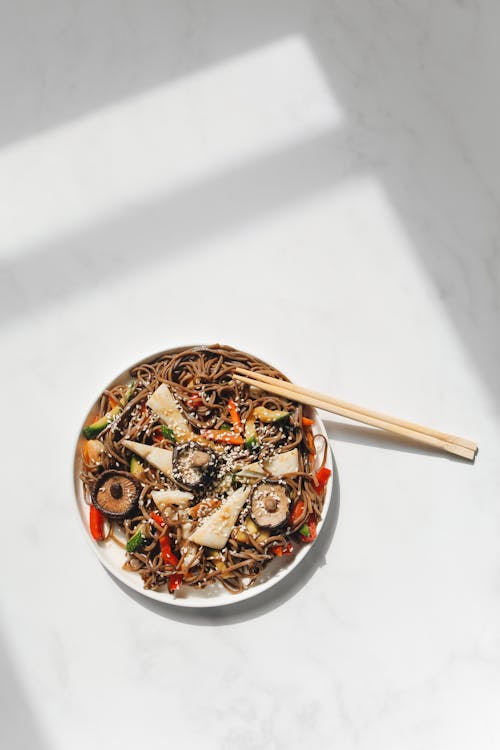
[160, 458]
[235, 416]
[283, 463]
[204, 507]
[282, 551]
[168, 433]
[166, 552]
[157, 518]
[128, 393]
[98, 425]
[136, 468]
[92, 452]
[137, 539]
[297, 512]
[270, 415]
[194, 401]
[174, 582]
[215, 531]
[251, 440]
[308, 530]
[222, 436]
[163, 403]
[164, 498]
[96, 524]
[322, 477]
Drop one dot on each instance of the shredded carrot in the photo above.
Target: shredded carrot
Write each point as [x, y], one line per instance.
[223, 436]
[306, 422]
[235, 416]
[310, 443]
[209, 503]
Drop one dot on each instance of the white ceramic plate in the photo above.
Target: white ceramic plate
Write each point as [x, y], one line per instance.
[113, 557]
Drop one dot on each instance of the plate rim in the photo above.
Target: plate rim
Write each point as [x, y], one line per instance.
[164, 597]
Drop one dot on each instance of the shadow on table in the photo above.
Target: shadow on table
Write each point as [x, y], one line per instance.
[19, 727]
[376, 438]
[262, 603]
[415, 122]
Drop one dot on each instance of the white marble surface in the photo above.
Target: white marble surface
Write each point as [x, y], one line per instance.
[317, 182]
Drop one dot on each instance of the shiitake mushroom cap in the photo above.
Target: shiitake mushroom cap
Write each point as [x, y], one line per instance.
[116, 494]
[193, 465]
[269, 504]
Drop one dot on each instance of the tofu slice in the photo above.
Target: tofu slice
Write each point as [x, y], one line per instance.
[282, 463]
[215, 531]
[160, 458]
[163, 498]
[165, 406]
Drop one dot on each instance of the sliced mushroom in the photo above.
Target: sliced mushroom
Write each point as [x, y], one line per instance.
[116, 494]
[193, 464]
[269, 504]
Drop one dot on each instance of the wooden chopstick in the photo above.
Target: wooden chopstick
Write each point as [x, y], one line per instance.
[362, 410]
[450, 443]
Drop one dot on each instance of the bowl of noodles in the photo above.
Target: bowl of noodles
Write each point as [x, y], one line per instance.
[194, 488]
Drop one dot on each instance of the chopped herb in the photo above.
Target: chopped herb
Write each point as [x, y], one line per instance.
[168, 433]
[252, 443]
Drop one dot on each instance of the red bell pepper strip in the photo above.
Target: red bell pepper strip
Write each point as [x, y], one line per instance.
[309, 530]
[156, 517]
[297, 512]
[158, 435]
[281, 551]
[194, 401]
[235, 416]
[322, 477]
[96, 524]
[166, 551]
[174, 582]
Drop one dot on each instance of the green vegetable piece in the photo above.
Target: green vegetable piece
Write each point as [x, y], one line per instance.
[137, 540]
[168, 433]
[252, 443]
[235, 481]
[270, 415]
[305, 530]
[136, 468]
[128, 392]
[225, 426]
[93, 430]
